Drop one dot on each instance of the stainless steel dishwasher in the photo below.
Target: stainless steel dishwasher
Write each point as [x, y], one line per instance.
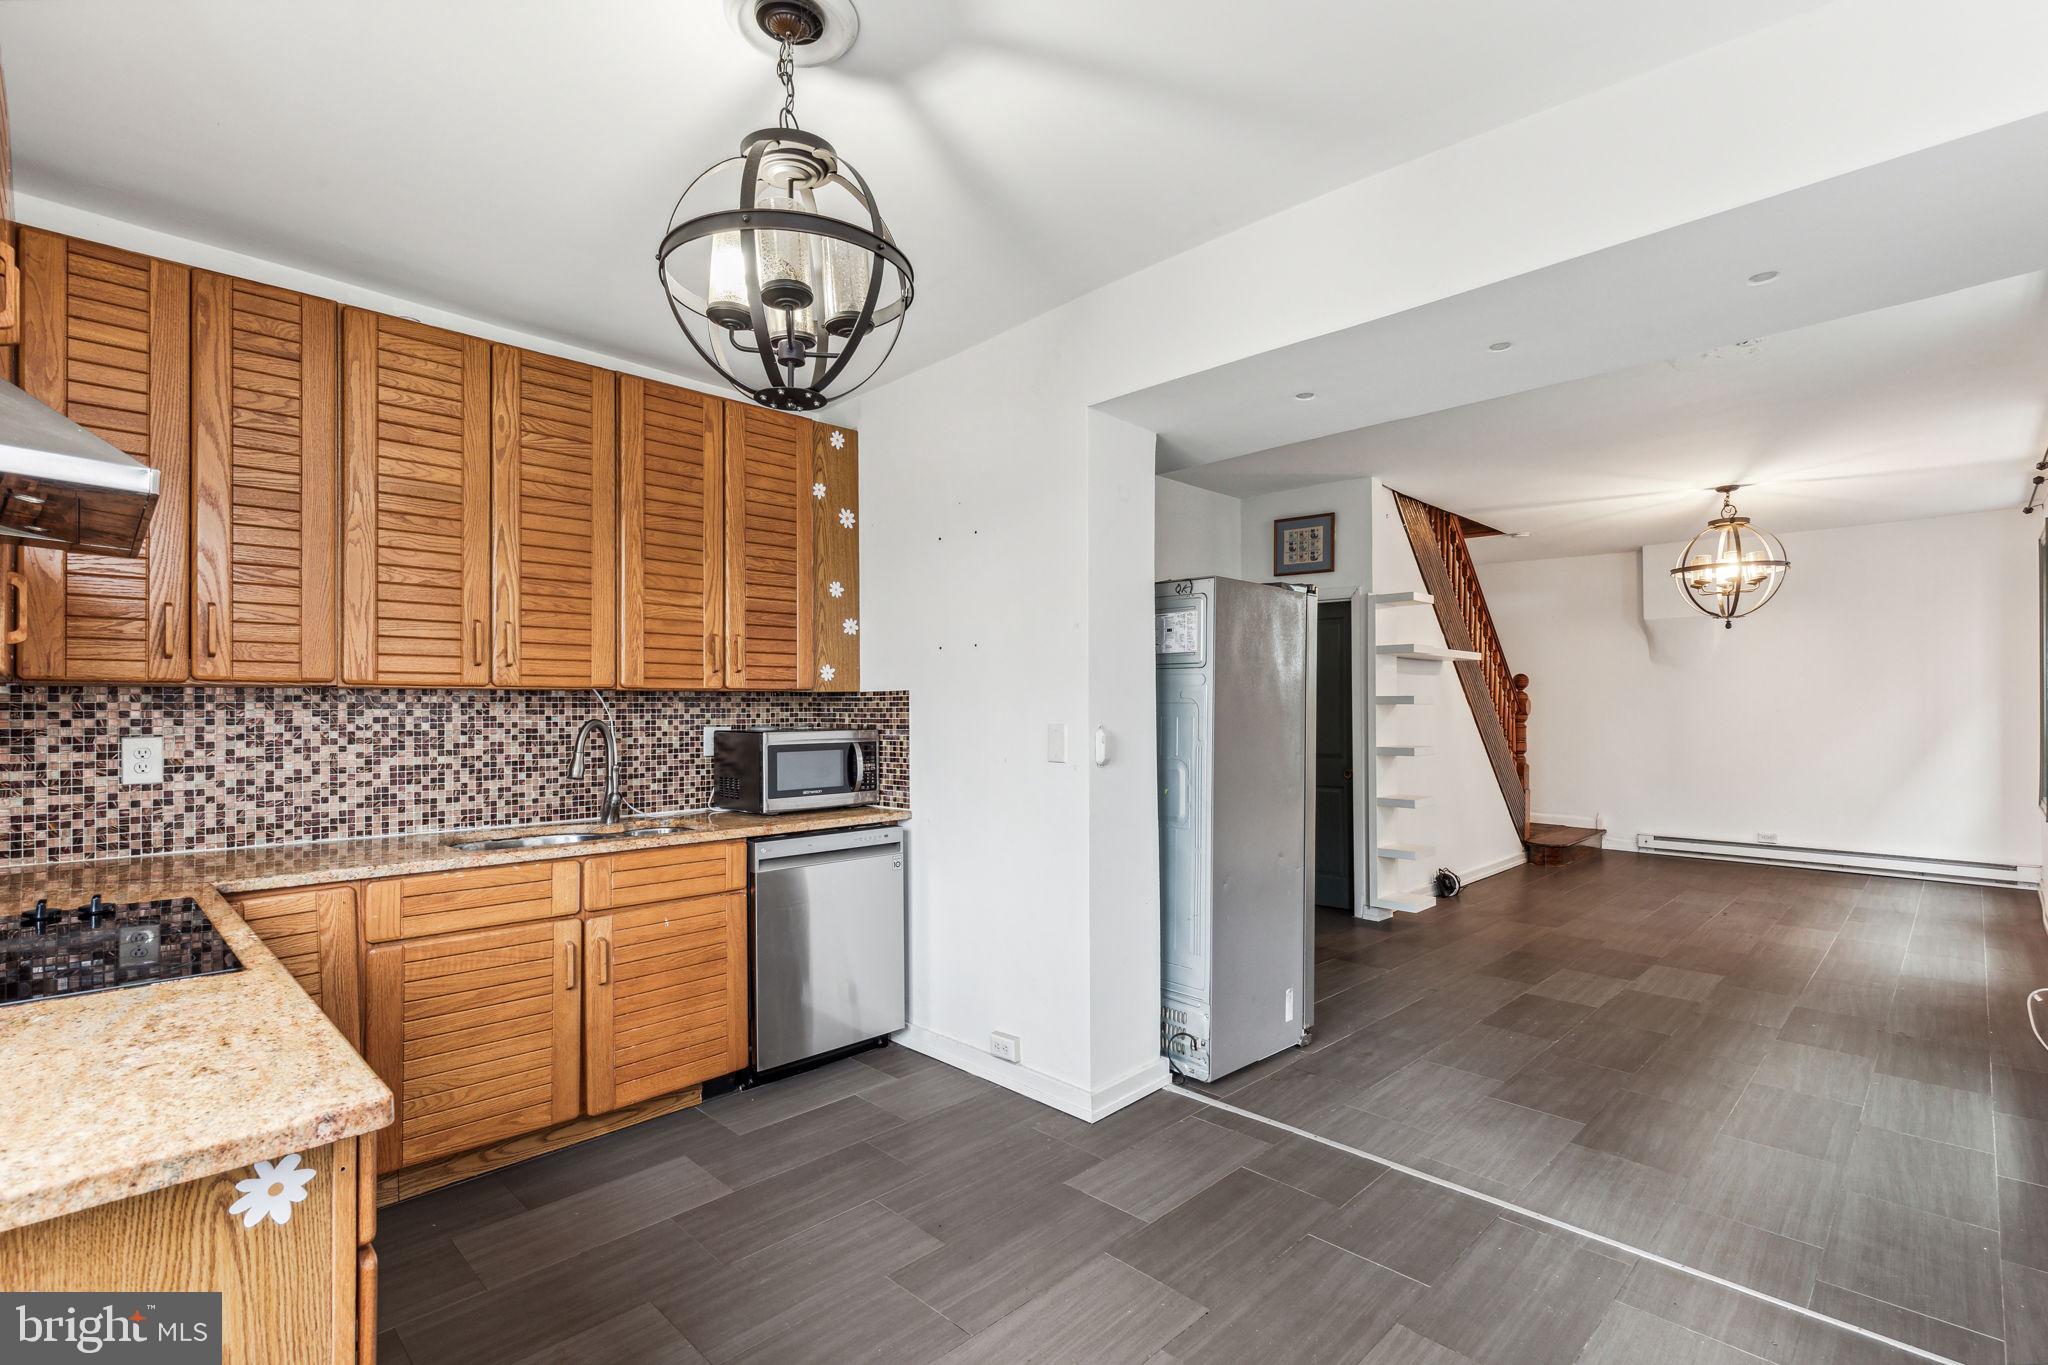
[828, 943]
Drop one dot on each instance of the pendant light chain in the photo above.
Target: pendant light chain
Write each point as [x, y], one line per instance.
[785, 71]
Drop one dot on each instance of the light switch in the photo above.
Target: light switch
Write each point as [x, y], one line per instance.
[1055, 743]
[142, 760]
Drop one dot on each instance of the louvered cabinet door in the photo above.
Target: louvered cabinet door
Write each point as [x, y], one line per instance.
[416, 553]
[478, 1034]
[672, 532]
[106, 341]
[554, 522]
[312, 930]
[666, 1004]
[265, 464]
[767, 549]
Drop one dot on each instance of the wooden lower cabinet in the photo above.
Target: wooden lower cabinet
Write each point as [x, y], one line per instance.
[291, 1293]
[312, 929]
[666, 1003]
[478, 1034]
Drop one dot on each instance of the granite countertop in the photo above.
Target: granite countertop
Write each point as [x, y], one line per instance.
[137, 1089]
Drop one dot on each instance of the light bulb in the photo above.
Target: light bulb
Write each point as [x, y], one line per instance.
[846, 286]
[726, 298]
[784, 258]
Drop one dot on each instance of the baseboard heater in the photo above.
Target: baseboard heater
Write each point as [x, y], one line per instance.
[1843, 860]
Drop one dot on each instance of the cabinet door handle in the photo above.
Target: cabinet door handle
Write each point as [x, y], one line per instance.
[569, 954]
[739, 655]
[511, 645]
[476, 642]
[17, 589]
[163, 621]
[212, 630]
[604, 962]
[710, 657]
[10, 277]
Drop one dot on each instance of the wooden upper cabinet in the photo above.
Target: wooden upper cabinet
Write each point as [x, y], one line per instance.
[106, 341]
[479, 1035]
[666, 1002]
[672, 534]
[416, 550]
[554, 522]
[835, 551]
[767, 549]
[265, 464]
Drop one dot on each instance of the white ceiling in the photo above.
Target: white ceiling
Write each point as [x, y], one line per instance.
[1902, 371]
[514, 160]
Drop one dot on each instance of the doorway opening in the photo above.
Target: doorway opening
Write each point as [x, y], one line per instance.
[1333, 757]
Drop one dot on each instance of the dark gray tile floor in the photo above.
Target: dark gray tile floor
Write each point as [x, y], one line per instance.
[1817, 1085]
[891, 1209]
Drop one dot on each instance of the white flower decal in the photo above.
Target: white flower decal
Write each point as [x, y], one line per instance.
[839, 440]
[836, 588]
[272, 1192]
[818, 491]
[851, 625]
[846, 517]
[826, 672]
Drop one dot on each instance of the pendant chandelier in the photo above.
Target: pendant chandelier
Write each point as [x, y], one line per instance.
[1731, 568]
[776, 262]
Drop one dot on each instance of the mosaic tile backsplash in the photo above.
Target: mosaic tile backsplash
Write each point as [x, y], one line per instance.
[280, 765]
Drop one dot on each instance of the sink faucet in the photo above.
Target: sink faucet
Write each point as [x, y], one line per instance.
[612, 800]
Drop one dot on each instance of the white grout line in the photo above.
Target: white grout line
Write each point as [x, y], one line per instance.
[1637, 1252]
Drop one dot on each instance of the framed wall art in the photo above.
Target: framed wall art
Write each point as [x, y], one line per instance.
[1305, 544]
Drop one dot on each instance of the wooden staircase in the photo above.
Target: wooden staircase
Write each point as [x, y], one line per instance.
[1498, 696]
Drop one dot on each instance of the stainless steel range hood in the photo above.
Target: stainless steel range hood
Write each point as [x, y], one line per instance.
[60, 485]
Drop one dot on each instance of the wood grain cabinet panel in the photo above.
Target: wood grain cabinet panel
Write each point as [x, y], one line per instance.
[672, 534]
[649, 875]
[767, 549]
[265, 463]
[312, 930]
[468, 898]
[554, 522]
[666, 1003]
[478, 1034]
[835, 559]
[416, 451]
[106, 341]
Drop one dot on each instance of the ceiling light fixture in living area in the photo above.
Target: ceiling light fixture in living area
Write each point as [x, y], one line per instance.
[781, 279]
[1731, 568]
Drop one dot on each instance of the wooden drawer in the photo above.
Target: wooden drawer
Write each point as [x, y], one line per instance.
[471, 898]
[616, 880]
[312, 929]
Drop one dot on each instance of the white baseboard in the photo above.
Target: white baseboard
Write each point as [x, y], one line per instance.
[1575, 821]
[1485, 870]
[1064, 1096]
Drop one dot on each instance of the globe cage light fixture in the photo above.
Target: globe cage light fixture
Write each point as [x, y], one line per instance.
[1730, 569]
[776, 262]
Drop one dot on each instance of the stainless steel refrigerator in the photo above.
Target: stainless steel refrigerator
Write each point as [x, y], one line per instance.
[1236, 687]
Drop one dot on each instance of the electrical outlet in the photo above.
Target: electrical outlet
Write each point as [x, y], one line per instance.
[142, 760]
[1765, 838]
[1003, 1046]
[710, 732]
[1290, 1004]
[1055, 743]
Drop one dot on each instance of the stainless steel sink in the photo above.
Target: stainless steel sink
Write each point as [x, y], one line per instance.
[540, 841]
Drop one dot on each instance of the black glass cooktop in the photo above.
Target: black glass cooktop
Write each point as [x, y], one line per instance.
[105, 945]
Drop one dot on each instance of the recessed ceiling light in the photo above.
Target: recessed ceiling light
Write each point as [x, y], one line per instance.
[1502, 346]
[1304, 395]
[1763, 277]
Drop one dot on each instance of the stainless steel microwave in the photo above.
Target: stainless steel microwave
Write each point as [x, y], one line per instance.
[767, 771]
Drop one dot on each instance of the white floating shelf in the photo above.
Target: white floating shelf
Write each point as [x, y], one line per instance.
[1400, 699]
[1408, 902]
[1403, 750]
[1433, 653]
[1401, 853]
[1403, 599]
[1401, 800]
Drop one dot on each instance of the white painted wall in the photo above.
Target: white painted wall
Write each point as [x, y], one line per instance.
[1885, 700]
[1350, 499]
[1195, 532]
